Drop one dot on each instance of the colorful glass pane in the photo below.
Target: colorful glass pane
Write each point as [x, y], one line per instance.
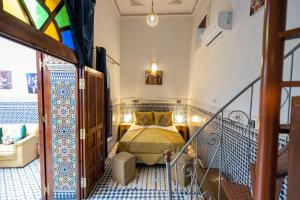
[52, 4]
[13, 7]
[52, 32]
[38, 14]
[67, 39]
[62, 18]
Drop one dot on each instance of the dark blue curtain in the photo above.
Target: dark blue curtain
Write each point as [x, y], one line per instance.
[101, 67]
[81, 14]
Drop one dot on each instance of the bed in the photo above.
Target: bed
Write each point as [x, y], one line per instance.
[148, 143]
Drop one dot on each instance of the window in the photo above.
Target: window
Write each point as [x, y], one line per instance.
[49, 16]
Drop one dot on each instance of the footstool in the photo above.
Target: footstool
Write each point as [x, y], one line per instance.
[183, 160]
[123, 168]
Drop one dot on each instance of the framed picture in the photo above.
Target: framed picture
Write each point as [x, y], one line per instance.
[154, 78]
[5, 79]
[256, 5]
[32, 83]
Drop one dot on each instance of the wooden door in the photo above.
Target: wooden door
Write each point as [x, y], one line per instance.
[294, 152]
[61, 140]
[92, 132]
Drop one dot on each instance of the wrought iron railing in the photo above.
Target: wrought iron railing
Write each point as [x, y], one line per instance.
[220, 156]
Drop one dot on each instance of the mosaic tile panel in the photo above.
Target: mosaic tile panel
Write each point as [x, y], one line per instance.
[63, 130]
[18, 112]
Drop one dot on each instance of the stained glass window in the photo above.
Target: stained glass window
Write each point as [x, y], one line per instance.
[13, 7]
[62, 18]
[49, 16]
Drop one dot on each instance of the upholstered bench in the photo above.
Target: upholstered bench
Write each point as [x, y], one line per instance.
[183, 180]
[123, 167]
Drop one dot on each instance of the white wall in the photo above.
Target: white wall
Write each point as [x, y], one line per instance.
[19, 60]
[107, 35]
[168, 44]
[221, 70]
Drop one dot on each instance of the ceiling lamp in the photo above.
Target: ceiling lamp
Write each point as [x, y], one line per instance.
[152, 18]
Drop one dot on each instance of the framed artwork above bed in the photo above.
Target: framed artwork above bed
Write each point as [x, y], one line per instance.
[154, 78]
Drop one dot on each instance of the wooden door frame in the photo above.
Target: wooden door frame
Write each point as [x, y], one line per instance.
[18, 31]
[42, 127]
[81, 99]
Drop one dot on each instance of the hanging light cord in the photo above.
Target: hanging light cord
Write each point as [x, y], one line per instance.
[152, 7]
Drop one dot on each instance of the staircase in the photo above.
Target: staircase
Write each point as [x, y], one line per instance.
[286, 161]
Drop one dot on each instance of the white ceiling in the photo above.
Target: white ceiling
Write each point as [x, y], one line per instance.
[162, 7]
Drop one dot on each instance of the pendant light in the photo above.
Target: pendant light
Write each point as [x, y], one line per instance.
[152, 18]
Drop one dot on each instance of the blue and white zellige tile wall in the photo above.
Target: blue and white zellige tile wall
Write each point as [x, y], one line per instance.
[18, 113]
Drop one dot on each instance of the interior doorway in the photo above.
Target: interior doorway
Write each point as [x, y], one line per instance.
[47, 88]
[20, 129]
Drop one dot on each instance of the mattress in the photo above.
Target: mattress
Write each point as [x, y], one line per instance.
[149, 143]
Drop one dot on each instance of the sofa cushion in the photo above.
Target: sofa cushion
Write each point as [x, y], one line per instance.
[20, 134]
[7, 152]
[6, 148]
[1, 134]
[12, 129]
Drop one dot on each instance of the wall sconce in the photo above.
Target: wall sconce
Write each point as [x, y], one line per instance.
[127, 118]
[154, 67]
[197, 119]
[179, 119]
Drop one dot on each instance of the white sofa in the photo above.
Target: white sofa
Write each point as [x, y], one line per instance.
[22, 152]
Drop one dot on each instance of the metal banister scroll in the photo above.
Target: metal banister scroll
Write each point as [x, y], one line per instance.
[212, 118]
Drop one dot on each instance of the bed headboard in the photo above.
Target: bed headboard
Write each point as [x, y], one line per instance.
[178, 107]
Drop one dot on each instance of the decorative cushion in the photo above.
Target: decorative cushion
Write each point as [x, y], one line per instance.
[144, 118]
[163, 118]
[20, 135]
[1, 134]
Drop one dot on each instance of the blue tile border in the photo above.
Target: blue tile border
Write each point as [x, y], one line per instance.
[18, 112]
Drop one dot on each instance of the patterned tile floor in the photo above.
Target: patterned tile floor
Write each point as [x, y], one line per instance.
[145, 186]
[24, 183]
[148, 185]
[21, 183]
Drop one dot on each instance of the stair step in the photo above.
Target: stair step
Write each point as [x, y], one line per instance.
[290, 84]
[284, 128]
[290, 34]
[234, 191]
